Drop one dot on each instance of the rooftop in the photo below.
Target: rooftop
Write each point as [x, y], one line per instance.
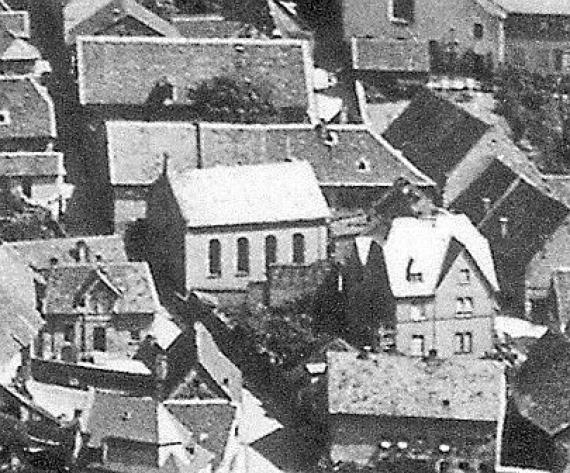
[561, 286]
[393, 385]
[534, 7]
[390, 55]
[14, 47]
[17, 22]
[31, 164]
[125, 70]
[238, 195]
[207, 26]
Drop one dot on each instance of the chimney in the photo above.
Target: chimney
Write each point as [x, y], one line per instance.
[504, 224]
[160, 375]
[82, 252]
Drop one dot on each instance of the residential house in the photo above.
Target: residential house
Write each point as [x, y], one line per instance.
[27, 116]
[17, 55]
[415, 414]
[17, 22]
[540, 394]
[431, 279]
[96, 309]
[218, 229]
[126, 433]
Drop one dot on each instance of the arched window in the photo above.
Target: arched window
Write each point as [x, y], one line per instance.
[243, 256]
[270, 250]
[215, 258]
[298, 248]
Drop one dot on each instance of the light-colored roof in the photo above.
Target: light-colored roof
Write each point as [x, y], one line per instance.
[535, 7]
[426, 242]
[31, 164]
[236, 195]
[390, 55]
[399, 386]
[17, 22]
[20, 50]
[136, 150]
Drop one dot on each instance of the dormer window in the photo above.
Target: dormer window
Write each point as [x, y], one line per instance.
[363, 165]
[401, 11]
[5, 117]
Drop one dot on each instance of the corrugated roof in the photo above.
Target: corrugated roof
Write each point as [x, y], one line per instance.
[31, 164]
[426, 242]
[136, 150]
[90, 17]
[236, 195]
[398, 386]
[38, 253]
[125, 70]
[535, 7]
[390, 55]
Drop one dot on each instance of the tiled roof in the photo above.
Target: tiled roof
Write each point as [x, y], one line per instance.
[132, 281]
[338, 164]
[390, 55]
[561, 286]
[30, 108]
[541, 387]
[427, 242]
[398, 386]
[121, 70]
[234, 195]
[535, 7]
[38, 253]
[210, 422]
[207, 26]
[136, 150]
[91, 17]
[31, 164]
[17, 22]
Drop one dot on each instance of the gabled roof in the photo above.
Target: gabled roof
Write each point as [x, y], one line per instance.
[136, 150]
[14, 48]
[31, 164]
[425, 244]
[541, 387]
[38, 253]
[534, 7]
[390, 55]
[125, 70]
[17, 22]
[131, 282]
[238, 195]
[435, 135]
[207, 26]
[334, 164]
[399, 386]
[31, 110]
[92, 17]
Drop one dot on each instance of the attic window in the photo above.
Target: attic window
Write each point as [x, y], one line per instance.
[363, 165]
[5, 117]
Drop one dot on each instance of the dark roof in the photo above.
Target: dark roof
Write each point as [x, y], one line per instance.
[31, 164]
[17, 22]
[435, 135]
[541, 387]
[136, 150]
[399, 386]
[38, 253]
[561, 287]
[229, 144]
[91, 17]
[207, 26]
[210, 422]
[132, 282]
[31, 109]
[121, 70]
[390, 55]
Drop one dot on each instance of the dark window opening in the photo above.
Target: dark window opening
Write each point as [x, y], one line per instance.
[215, 258]
[270, 250]
[69, 333]
[403, 10]
[298, 248]
[27, 187]
[243, 256]
[478, 31]
[99, 339]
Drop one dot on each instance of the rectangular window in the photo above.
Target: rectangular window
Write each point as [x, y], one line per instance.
[465, 276]
[99, 339]
[298, 248]
[215, 258]
[464, 307]
[558, 55]
[417, 347]
[136, 335]
[417, 312]
[402, 11]
[463, 343]
[478, 31]
[69, 333]
[243, 256]
[519, 57]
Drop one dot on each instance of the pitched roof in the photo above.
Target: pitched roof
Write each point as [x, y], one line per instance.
[534, 7]
[210, 423]
[31, 164]
[136, 150]
[207, 26]
[131, 282]
[426, 243]
[339, 164]
[398, 386]
[38, 253]
[541, 387]
[287, 24]
[390, 55]
[561, 287]
[13, 48]
[30, 108]
[235, 195]
[124, 70]
[17, 22]
[91, 17]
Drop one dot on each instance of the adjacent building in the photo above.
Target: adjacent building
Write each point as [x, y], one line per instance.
[396, 412]
[218, 229]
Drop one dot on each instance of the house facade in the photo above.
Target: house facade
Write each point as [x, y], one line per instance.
[395, 412]
[218, 229]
